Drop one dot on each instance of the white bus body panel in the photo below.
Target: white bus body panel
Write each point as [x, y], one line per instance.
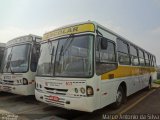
[16, 83]
[77, 101]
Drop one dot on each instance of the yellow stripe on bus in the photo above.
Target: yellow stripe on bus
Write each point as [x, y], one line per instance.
[88, 27]
[126, 71]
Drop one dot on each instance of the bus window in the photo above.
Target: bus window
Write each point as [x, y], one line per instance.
[152, 64]
[123, 52]
[146, 59]
[35, 57]
[16, 58]
[150, 61]
[154, 61]
[134, 55]
[105, 58]
[141, 58]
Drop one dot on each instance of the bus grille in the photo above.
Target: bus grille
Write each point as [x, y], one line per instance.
[56, 91]
[7, 82]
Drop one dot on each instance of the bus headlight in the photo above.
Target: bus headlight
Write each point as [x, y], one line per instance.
[82, 90]
[25, 81]
[90, 91]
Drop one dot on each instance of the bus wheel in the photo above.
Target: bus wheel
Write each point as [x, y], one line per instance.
[119, 98]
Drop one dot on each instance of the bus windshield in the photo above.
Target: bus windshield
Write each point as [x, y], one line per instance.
[16, 58]
[72, 57]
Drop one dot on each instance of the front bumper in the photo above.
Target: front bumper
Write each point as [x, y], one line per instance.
[19, 89]
[75, 103]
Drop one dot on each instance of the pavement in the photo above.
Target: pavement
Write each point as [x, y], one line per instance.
[154, 85]
[149, 105]
[145, 103]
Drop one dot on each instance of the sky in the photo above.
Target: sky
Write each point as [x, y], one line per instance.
[136, 20]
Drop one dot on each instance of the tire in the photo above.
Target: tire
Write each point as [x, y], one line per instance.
[120, 98]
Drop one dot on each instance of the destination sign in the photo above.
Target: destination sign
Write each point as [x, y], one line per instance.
[69, 30]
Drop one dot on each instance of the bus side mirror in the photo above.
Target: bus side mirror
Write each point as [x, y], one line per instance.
[104, 43]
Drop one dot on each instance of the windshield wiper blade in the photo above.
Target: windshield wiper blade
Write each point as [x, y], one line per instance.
[11, 68]
[51, 49]
[69, 39]
[8, 65]
[52, 55]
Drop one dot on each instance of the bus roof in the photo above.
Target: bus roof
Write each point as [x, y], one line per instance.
[88, 26]
[24, 39]
[70, 29]
[121, 37]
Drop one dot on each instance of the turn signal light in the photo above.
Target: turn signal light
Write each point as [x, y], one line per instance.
[25, 81]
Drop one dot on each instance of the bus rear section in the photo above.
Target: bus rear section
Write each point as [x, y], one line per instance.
[19, 65]
[86, 67]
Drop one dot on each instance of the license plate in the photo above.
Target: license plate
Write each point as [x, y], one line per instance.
[7, 77]
[54, 98]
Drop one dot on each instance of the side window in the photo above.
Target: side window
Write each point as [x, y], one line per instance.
[154, 61]
[123, 52]
[35, 57]
[141, 58]
[146, 59]
[150, 60]
[108, 54]
[105, 55]
[134, 55]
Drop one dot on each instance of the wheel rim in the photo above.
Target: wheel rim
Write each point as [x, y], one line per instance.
[119, 97]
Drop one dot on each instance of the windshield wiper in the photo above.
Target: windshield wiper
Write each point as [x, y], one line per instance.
[70, 39]
[52, 55]
[64, 49]
[51, 49]
[8, 65]
[11, 65]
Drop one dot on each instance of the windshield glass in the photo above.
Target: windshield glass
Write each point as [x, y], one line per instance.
[16, 58]
[47, 54]
[73, 57]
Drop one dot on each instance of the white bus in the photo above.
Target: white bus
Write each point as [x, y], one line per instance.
[86, 67]
[19, 65]
[2, 47]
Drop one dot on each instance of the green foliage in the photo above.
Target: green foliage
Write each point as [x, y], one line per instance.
[157, 82]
